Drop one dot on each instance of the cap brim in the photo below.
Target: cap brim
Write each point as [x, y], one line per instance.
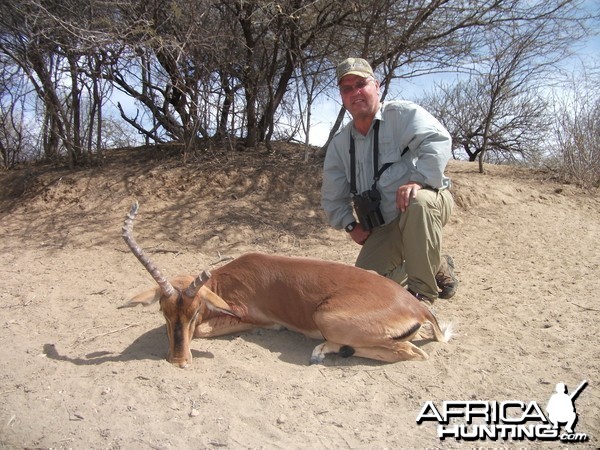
[355, 72]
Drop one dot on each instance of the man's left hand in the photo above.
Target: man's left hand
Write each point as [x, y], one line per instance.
[405, 193]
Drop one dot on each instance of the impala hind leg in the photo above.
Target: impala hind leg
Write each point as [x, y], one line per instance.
[397, 351]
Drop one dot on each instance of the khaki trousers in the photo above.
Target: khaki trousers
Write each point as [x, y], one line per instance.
[408, 249]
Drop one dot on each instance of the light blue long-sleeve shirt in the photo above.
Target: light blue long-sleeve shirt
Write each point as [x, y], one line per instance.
[403, 124]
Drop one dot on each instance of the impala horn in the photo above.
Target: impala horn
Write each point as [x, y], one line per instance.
[166, 287]
[198, 282]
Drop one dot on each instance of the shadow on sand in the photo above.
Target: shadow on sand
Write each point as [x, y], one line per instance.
[151, 345]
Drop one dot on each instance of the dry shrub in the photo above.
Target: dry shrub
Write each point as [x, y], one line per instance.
[576, 155]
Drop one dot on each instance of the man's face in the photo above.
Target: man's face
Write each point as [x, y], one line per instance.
[360, 96]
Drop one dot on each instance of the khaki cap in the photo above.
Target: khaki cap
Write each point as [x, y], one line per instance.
[354, 66]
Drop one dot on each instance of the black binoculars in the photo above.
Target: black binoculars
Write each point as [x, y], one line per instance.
[367, 208]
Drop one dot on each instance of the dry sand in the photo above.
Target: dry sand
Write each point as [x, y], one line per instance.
[79, 373]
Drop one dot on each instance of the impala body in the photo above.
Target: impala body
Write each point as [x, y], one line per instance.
[355, 312]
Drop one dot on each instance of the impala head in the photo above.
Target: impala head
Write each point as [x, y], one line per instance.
[181, 299]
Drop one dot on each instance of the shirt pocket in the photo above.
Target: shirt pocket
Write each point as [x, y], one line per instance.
[397, 173]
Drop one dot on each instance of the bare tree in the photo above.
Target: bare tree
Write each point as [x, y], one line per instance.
[24, 42]
[49, 43]
[515, 127]
[406, 39]
[576, 144]
[499, 109]
[307, 91]
[16, 140]
[203, 68]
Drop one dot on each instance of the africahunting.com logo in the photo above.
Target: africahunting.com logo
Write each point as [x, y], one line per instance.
[507, 420]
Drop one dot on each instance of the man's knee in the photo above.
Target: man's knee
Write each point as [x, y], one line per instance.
[425, 198]
[422, 205]
[430, 203]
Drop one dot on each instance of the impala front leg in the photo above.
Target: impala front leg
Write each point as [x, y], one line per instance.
[221, 326]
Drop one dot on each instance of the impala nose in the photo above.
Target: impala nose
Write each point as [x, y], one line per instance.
[182, 362]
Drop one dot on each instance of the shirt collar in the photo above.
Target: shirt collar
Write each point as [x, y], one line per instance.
[378, 116]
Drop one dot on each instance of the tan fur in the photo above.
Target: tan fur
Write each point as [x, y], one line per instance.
[355, 311]
[342, 304]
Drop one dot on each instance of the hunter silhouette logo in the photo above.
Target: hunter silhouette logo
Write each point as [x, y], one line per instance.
[561, 407]
[512, 419]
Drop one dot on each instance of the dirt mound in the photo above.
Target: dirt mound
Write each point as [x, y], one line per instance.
[78, 372]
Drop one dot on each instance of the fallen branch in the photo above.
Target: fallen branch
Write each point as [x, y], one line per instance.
[107, 333]
[164, 250]
[221, 259]
[585, 307]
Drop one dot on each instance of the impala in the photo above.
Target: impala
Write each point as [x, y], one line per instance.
[356, 312]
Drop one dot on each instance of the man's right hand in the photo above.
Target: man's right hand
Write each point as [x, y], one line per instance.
[359, 235]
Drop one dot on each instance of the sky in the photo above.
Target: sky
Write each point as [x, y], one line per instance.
[326, 111]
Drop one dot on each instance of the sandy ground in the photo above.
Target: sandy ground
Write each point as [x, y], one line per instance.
[77, 372]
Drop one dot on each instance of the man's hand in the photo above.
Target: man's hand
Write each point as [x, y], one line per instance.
[405, 193]
[359, 235]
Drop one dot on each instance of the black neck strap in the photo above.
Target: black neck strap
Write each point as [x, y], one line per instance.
[376, 170]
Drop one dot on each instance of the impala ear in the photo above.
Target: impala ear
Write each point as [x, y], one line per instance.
[145, 298]
[215, 303]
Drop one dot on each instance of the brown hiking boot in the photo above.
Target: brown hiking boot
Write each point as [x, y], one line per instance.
[445, 278]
